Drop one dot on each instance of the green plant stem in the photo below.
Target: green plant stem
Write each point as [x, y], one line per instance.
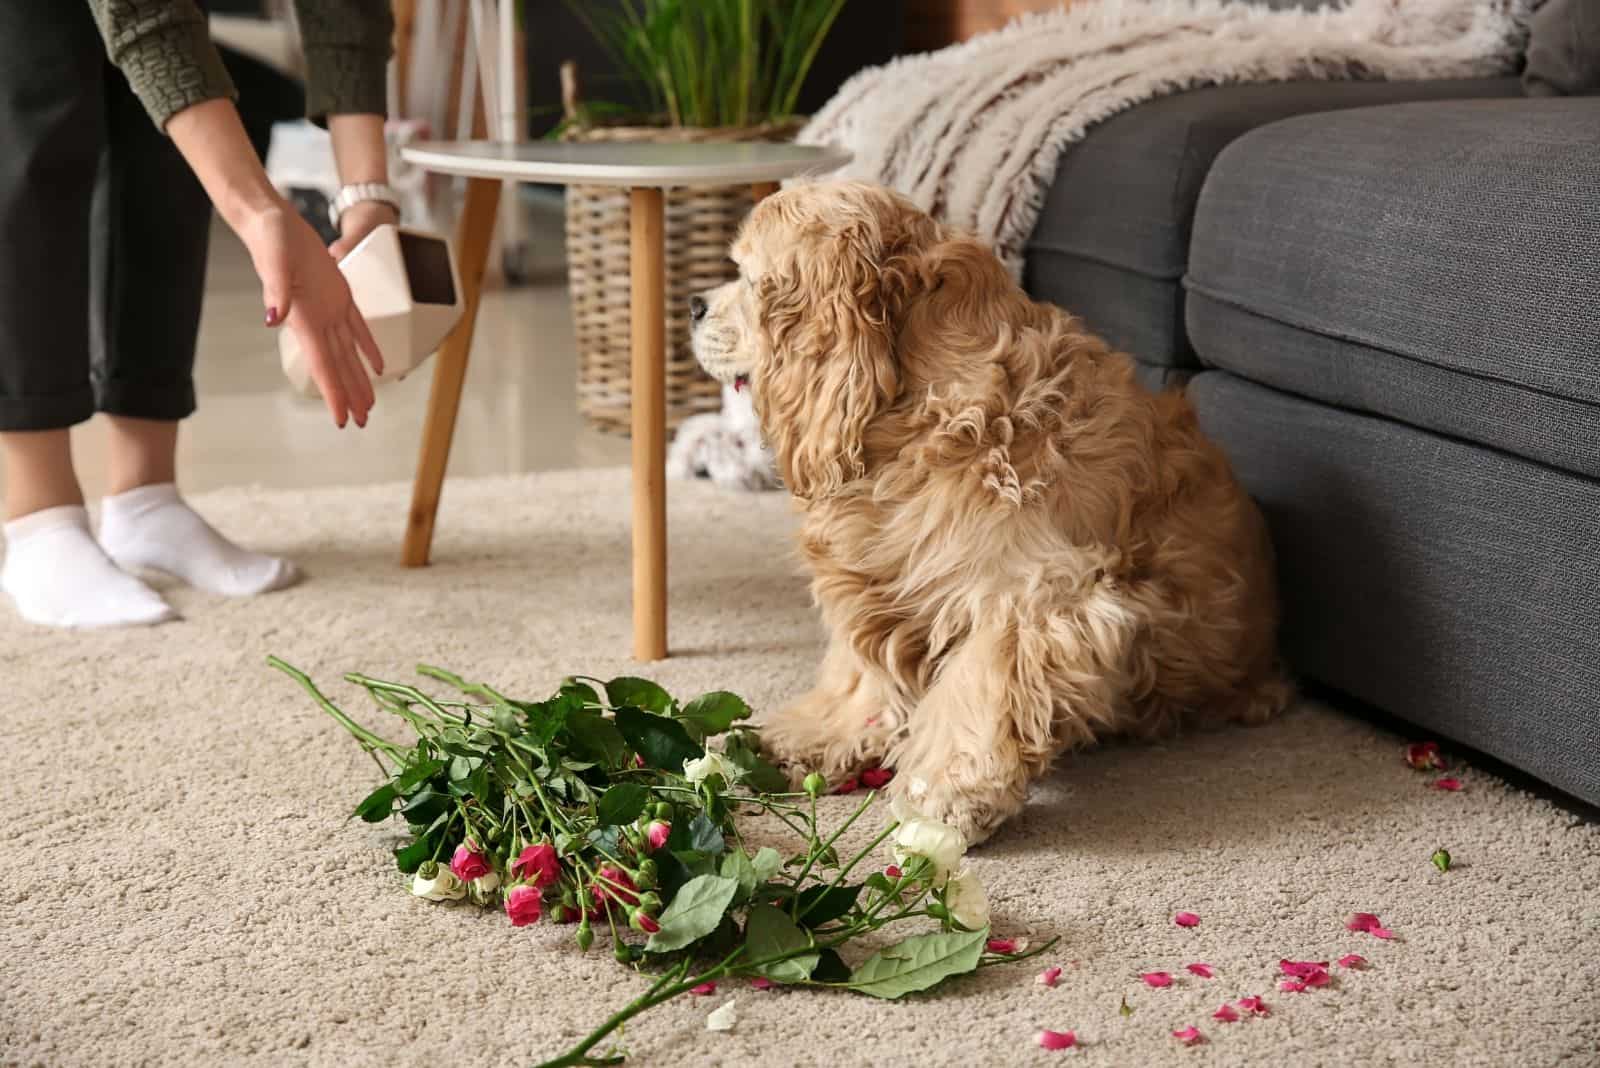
[369, 742]
[815, 851]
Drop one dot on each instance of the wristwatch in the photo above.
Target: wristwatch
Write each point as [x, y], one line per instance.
[351, 195]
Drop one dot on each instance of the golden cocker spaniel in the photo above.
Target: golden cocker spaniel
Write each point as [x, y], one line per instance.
[1015, 547]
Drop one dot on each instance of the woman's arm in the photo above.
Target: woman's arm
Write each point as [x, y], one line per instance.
[300, 283]
[362, 156]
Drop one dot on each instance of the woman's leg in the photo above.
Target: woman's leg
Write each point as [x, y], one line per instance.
[53, 133]
[151, 269]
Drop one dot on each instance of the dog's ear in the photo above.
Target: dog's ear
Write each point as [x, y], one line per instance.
[830, 320]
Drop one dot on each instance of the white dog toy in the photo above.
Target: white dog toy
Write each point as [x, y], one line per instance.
[725, 447]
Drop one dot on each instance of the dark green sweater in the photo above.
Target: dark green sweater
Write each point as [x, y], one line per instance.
[164, 47]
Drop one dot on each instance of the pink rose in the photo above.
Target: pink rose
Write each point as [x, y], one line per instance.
[613, 884]
[523, 904]
[656, 834]
[643, 921]
[469, 864]
[537, 864]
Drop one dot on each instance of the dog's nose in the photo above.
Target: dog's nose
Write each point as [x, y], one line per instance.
[697, 309]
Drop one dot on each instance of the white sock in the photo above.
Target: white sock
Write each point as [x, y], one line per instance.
[58, 576]
[151, 527]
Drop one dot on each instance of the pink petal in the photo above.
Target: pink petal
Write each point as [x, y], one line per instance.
[1451, 784]
[1317, 978]
[1057, 1039]
[1227, 1014]
[849, 786]
[1292, 986]
[1001, 945]
[1352, 960]
[1049, 977]
[1362, 921]
[1186, 919]
[1424, 755]
[761, 982]
[1156, 979]
[892, 872]
[1299, 969]
[1202, 970]
[707, 987]
[1189, 1036]
[876, 778]
[1381, 932]
[1255, 1005]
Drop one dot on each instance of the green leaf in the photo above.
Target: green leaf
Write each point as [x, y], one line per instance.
[661, 741]
[918, 963]
[597, 738]
[694, 912]
[638, 693]
[879, 882]
[736, 865]
[705, 836]
[377, 805]
[819, 904]
[769, 932]
[417, 774]
[1441, 859]
[604, 840]
[830, 968]
[622, 803]
[425, 805]
[754, 770]
[713, 713]
[462, 767]
[767, 863]
[410, 857]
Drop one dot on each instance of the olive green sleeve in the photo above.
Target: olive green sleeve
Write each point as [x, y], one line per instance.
[164, 49]
[347, 45]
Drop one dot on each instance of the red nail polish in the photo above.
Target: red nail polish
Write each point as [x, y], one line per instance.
[272, 316]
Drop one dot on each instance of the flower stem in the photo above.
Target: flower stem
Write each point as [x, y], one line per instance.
[365, 738]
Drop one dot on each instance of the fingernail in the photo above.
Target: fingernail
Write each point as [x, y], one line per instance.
[272, 316]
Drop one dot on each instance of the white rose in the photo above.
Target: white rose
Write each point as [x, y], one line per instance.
[967, 901]
[942, 844]
[488, 882]
[711, 764]
[441, 886]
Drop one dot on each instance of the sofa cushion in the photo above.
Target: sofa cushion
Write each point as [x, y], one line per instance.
[1112, 240]
[1434, 263]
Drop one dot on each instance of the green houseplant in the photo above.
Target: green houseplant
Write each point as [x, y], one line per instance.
[706, 71]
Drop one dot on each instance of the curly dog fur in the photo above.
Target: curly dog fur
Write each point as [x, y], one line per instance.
[1015, 547]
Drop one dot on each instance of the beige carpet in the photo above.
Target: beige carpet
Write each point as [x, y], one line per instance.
[180, 886]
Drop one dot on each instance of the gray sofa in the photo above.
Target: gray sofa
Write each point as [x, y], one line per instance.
[1384, 301]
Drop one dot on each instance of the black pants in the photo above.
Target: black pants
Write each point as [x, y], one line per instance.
[103, 233]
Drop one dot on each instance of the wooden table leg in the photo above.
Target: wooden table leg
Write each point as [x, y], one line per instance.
[649, 402]
[474, 234]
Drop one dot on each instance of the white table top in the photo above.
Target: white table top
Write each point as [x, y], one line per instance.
[638, 165]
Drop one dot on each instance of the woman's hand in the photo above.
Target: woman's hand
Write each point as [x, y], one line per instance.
[302, 287]
[359, 220]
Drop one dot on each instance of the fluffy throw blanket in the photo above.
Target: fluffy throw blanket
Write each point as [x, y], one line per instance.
[973, 133]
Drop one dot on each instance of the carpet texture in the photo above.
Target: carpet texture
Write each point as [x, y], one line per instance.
[182, 886]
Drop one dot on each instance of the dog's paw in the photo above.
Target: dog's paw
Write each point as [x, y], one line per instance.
[977, 812]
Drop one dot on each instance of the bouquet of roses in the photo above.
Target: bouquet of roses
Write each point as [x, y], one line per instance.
[604, 807]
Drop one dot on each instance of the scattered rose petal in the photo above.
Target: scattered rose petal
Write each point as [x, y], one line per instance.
[1227, 1014]
[1424, 756]
[1299, 969]
[707, 987]
[1352, 960]
[1452, 784]
[876, 778]
[1049, 977]
[1156, 979]
[849, 786]
[1057, 1039]
[1253, 1004]
[1001, 945]
[761, 982]
[1189, 1036]
[893, 871]
[722, 1019]
[1368, 923]
[1292, 986]
[1316, 978]
[1202, 970]
[1186, 919]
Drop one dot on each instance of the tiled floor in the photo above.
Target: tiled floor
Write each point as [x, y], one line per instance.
[518, 412]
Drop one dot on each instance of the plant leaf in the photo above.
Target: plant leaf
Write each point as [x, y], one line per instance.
[769, 932]
[630, 692]
[713, 713]
[410, 857]
[736, 865]
[918, 963]
[661, 741]
[417, 774]
[695, 911]
[622, 803]
[830, 968]
[377, 805]
[755, 771]
[705, 836]
[767, 862]
[819, 904]
[425, 805]
[597, 738]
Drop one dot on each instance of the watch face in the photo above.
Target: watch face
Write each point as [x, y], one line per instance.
[427, 261]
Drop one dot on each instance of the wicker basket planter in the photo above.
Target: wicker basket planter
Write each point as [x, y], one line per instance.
[700, 225]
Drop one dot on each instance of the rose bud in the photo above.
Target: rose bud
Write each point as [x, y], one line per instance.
[538, 864]
[656, 834]
[814, 785]
[523, 904]
[468, 863]
[640, 920]
[585, 936]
